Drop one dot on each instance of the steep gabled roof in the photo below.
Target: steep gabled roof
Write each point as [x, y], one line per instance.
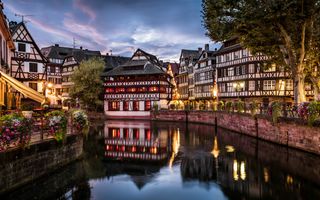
[114, 61]
[148, 66]
[14, 27]
[58, 52]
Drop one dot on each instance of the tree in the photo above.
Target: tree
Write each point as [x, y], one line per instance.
[281, 30]
[88, 85]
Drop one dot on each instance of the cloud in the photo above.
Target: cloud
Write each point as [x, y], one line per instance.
[85, 9]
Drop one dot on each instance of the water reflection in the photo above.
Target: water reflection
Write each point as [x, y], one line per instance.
[144, 160]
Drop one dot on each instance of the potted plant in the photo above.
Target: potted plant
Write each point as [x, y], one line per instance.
[27, 110]
[80, 121]
[15, 129]
[57, 122]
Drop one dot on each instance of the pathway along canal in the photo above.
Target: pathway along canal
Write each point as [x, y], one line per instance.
[160, 160]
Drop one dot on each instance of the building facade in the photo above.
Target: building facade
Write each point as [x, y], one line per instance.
[134, 88]
[204, 72]
[69, 64]
[185, 77]
[241, 75]
[28, 64]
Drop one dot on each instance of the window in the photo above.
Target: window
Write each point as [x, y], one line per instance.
[271, 68]
[126, 105]
[243, 69]
[236, 54]
[237, 71]
[22, 47]
[142, 89]
[131, 89]
[147, 133]
[126, 133]
[33, 67]
[269, 84]
[114, 106]
[153, 89]
[244, 53]
[251, 68]
[52, 69]
[147, 105]
[229, 87]
[33, 86]
[120, 90]
[252, 85]
[109, 90]
[136, 105]
[230, 71]
[289, 84]
[136, 133]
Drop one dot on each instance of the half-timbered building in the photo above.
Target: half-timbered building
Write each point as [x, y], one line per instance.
[69, 64]
[28, 64]
[185, 76]
[11, 90]
[204, 76]
[244, 76]
[132, 89]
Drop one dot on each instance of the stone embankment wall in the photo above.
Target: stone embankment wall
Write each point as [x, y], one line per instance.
[286, 132]
[20, 166]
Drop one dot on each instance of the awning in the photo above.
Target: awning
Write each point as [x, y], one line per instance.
[22, 88]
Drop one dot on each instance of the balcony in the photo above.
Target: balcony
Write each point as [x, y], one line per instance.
[241, 61]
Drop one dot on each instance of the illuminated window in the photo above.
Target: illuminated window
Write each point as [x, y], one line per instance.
[120, 90]
[251, 68]
[147, 105]
[153, 89]
[114, 106]
[252, 85]
[131, 89]
[136, 105]
[289, 84]
[147, 133]
[126, 133]
[114, 132]
[126, 105]
[109, 90]
[269, 84]
[142, 89]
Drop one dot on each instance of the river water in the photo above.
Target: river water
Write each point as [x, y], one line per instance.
[159, 160]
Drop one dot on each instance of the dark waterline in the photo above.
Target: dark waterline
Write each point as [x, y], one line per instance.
[176, 161]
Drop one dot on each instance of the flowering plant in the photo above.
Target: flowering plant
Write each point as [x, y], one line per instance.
[57, 123]
[15, 129]
[79, 120]
[303, 110]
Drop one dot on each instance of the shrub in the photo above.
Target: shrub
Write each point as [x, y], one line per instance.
[221, 105]
[239, 105]
[313, 112]
[253, 108]
[228, 106]
[155, 107]
[275, 111]
[303, 110]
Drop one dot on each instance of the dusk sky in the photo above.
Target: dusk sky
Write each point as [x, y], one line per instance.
[160, 27]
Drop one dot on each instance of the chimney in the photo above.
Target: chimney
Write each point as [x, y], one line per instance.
[56, 45]
[81, 47]
[107, 54]
[206, 47]
[199, 50]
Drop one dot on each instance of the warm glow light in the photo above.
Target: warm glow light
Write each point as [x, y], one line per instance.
[230, 148]
[50, 85]
[289, 180]
[266, 175]
[242, 171]
[215, 151]
[235, 170]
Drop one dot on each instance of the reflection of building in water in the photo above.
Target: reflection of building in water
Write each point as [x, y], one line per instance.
[135, 141]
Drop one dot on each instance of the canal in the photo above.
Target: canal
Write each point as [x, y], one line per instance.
[158, 160]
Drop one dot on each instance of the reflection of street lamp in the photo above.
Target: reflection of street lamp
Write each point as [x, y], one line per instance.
[215, 152]
[238, 86]
[215, 95]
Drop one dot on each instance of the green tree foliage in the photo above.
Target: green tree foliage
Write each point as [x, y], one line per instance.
[88, 85]
[285, 31]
